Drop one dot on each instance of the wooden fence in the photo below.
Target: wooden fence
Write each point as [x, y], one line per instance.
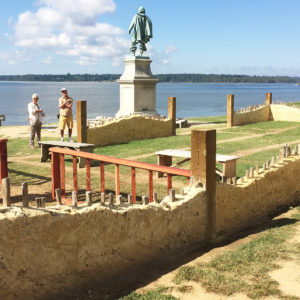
[58, 171]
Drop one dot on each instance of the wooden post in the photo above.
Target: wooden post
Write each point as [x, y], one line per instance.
[230, 110]
[25, 194]
[3, 159]
[102, 197]
[6, 192]
[58, 196]
[74, 199]
[129, 199]
[203, 169]
[81, 121]
[172, 113]
[172, 195]
[88, 197]
[268, 103]
[55, 166]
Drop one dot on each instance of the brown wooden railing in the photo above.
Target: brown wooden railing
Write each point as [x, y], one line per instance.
[58, 171]
[3, 159]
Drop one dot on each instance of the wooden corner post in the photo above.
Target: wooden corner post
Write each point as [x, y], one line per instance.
[203, 169]
[81, 121]
[172, 113]
[269, 102]
[230, 110]
[3, 159]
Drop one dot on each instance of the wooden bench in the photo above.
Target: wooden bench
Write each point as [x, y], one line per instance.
[2, 118]
[228, 161]
[45, 145]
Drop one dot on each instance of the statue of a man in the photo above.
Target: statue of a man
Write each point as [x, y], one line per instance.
[141, 31]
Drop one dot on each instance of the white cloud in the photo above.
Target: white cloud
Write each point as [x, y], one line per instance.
[70, 28]
[15, 57]
[170, 48]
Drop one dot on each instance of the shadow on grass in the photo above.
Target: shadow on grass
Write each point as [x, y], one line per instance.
[18, 177]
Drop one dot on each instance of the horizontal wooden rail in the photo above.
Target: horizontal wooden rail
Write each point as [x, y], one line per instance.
[58, 171]
[123, 162]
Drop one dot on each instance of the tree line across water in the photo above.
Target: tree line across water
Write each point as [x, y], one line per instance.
[161, 77]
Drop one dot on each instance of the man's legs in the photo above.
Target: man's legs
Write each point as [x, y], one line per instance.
[32, 134]
[70, 134]
[38, 132]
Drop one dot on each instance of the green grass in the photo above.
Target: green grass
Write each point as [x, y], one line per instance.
[157, 294]
[245, 270]
[211, 119]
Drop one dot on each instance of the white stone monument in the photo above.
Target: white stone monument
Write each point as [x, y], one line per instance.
[137, 88]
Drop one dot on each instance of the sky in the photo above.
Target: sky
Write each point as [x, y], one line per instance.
[252, 37]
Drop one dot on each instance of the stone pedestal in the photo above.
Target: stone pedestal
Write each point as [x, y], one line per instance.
[137, 88]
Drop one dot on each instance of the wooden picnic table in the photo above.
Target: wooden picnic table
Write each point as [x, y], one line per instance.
[228, 161]
[45, 145]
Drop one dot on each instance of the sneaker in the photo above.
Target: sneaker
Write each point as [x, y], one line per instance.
[31, 146]
[70, 140]
[61, 139]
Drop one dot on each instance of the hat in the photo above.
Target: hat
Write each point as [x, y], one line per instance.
[63, 90]
[35, 96]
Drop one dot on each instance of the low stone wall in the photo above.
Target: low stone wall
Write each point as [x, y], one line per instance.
[260, 114]
[245, 203]
[129, 129]
[281, 112]
[49, 252]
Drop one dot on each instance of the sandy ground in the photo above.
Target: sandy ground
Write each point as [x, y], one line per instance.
[23, 131]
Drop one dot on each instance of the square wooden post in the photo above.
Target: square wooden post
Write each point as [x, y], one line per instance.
[81, 121]
[230, 110]
[55, 166]
[3, 159]
[172, 113]
[268, 103]
[203, 169]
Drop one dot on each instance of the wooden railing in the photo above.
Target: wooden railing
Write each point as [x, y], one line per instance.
[58, 171]
[3, 159]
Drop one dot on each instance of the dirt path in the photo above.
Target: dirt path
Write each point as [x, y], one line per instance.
[288, 276]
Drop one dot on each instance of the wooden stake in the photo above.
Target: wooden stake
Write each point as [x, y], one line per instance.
[6, 192]
[88, 197]
[25, 194]
[74, 199]
[58, 196]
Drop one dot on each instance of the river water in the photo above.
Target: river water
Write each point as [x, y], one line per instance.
[193, 99]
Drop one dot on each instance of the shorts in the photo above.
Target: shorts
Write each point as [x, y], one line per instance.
[63, 121]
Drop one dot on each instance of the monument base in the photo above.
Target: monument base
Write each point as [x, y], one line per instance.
[150, 113]
[137, 88]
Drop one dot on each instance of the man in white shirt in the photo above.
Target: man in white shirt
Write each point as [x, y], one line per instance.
[36, 115]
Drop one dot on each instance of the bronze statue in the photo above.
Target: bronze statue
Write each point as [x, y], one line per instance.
[140, 30]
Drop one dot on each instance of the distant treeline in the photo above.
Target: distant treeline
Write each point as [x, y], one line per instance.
[161, 77]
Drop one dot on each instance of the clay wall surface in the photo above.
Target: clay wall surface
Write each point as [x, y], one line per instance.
[49, 252]
[284, 113]
[260, 114]
[245, 203]
[129, 129]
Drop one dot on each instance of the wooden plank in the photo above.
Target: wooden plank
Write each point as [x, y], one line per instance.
[66, 144]
[117, 180]
[230, 110]
[88, 175]
[150, 186]
[55, 170]
[172, 113]
[62, 175]
[169, 182]
[75, 179]
[124, 162]
[81, 121]
[102, 178]
[133, 185]
[203, 162]
[3, 159]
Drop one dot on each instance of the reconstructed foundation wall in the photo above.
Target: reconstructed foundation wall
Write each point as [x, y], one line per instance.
[276, 112]
[258, 115]
[245, 203]
[129, 129]
[284, 113]
[48, 252]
